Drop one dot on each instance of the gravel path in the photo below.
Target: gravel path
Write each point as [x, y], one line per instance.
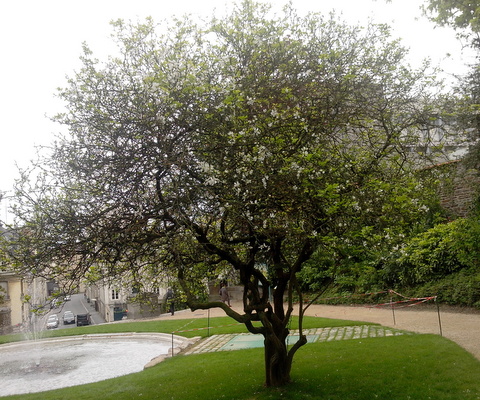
[461, 326]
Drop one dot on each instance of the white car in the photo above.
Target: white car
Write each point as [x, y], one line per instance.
[68, 317]
[53, 321]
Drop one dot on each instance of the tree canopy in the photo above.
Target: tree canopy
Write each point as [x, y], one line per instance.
[457, 14]
[244, 142]
[464, 16]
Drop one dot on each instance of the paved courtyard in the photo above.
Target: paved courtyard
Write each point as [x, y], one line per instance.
[246, 340]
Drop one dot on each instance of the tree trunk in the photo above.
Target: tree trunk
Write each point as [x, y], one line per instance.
[277, 362]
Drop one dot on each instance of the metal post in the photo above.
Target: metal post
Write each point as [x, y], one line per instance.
[393, 311]
[208, 323]
[439, 319]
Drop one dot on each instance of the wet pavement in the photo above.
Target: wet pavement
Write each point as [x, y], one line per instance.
[35, 366]
[246, 340]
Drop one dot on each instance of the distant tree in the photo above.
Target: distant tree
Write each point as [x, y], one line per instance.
[439, 251]
[242, 143]
[464, 16]
[461, 15]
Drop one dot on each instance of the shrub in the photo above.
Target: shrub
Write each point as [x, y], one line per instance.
[461, 289]
[436, 253]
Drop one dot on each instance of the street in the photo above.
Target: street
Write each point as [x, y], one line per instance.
[78, 305]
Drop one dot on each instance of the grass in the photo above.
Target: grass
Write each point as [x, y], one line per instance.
[182, 327]
[401, 367]
[414, 367]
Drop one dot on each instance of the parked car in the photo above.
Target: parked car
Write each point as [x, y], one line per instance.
[56, 303]
[83, 319]
[68, 317]
[52, 321]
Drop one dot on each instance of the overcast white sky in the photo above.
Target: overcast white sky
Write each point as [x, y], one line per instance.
[40, 44]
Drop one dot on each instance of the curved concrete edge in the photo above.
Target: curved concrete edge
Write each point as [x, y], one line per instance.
[180, 344]
[176, 341]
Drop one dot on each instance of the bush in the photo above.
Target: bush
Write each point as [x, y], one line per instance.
[443, 261]
[436, 253]
[461, 289]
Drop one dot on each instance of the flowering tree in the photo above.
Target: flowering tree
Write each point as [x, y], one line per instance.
[459, 15]
[243, 142]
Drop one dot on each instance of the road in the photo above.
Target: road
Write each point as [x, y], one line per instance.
[78, 305]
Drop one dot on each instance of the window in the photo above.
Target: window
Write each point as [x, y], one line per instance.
[135, 289]
[115, 294]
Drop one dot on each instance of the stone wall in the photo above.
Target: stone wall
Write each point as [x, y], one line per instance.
[5, 322]
[149, 308]
[235, 292]
[457, 195]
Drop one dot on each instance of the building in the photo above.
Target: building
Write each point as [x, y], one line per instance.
[20, 296]
[445, 147]
[459, 193]
[116, 301]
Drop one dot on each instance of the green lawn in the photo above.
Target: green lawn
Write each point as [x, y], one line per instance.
[182, 327]
[412, 367]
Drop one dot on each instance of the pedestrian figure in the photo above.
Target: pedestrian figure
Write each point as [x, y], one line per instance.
[170, 300]
[224, 296]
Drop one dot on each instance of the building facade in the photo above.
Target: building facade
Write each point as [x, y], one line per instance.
[20, 296]
[118, 301]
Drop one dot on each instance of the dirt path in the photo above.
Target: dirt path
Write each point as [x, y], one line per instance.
[463, 327]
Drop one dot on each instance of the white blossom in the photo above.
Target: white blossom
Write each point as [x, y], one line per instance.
[205, 167]
[264, 181]
[211, 180]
